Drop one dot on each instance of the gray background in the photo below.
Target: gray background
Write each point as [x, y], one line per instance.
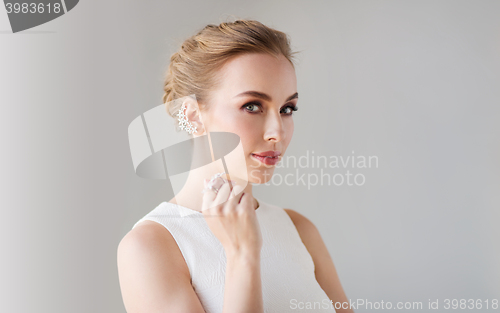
[412, 82]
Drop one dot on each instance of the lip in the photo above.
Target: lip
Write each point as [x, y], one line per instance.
[270, 153]
[268, 157]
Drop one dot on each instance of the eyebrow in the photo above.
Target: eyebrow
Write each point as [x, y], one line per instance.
[264, 96]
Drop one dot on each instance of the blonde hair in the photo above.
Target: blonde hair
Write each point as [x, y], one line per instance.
[193, 69]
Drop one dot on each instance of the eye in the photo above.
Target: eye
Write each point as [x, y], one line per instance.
[289, 109]
[252, 107]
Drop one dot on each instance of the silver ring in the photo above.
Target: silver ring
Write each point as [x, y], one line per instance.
[208, 188]
[211, 182]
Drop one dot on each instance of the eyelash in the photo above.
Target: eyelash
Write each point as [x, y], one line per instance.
[291, 106]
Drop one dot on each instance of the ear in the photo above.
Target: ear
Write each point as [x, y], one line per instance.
[193, 115]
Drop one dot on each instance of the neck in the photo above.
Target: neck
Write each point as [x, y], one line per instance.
[189, 193]
[191, 196]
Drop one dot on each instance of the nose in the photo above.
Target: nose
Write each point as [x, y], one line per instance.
[274, 131]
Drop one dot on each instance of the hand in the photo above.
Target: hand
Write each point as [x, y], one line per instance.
[233, 220]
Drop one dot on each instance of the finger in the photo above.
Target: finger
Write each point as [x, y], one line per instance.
[236, 194]
[222, 194]
[218, 182]
[246, 201]
[208, 198]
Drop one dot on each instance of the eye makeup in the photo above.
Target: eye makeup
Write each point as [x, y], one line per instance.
[256, 104]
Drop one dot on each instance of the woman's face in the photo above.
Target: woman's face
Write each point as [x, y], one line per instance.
[255, 100]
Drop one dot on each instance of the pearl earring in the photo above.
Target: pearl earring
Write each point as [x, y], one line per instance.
[184, 123]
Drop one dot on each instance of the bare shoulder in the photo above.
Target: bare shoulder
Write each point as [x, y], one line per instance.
[149, 241]
[305, 227]
[152, 272]
[146, 234]
[311, 238]
[324, 269]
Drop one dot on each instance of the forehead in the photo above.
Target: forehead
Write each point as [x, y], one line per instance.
[259, 72]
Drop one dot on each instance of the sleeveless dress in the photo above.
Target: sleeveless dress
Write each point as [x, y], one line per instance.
[287, 269]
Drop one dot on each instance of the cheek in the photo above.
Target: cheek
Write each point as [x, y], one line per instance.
[249, 134]
[246, 127]
[289, 127]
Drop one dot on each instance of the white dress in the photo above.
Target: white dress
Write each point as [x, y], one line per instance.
[287, 269]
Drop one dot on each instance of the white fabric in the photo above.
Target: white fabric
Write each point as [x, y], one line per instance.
[287, 269]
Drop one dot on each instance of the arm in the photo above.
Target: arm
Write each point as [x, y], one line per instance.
[234, 222]
[153, 275]
[243, 286]
[324, 269]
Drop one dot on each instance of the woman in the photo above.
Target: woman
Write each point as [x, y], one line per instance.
[241, 255]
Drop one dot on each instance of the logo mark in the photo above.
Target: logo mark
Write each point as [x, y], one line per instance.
[25, 14]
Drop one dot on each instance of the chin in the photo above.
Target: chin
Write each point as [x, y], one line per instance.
[260, 176]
